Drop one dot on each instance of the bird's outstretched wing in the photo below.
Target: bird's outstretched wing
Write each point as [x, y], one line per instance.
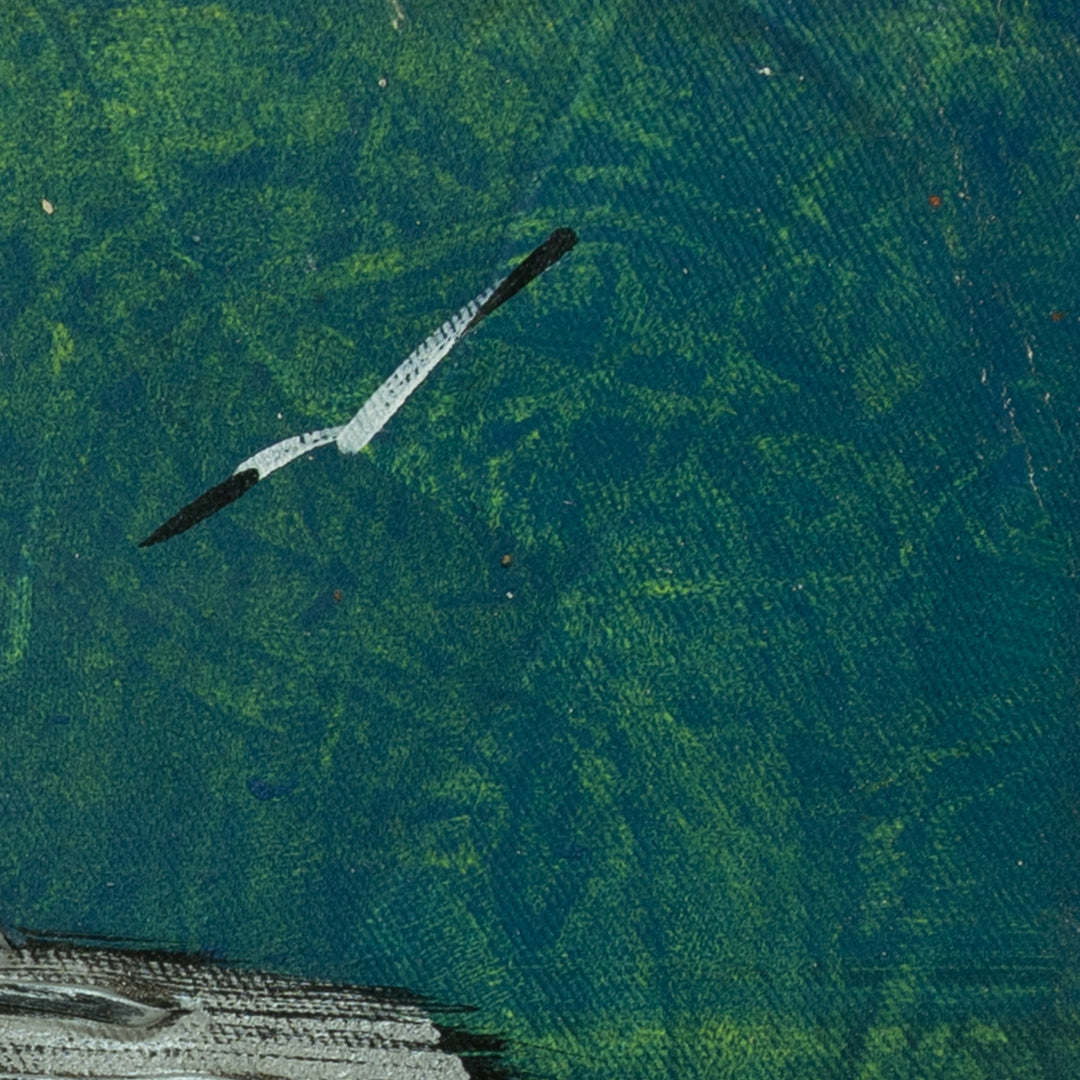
[382, 405]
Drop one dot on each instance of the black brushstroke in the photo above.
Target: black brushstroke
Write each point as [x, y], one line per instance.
[77, 1003]
[546, 255]
[209, 502]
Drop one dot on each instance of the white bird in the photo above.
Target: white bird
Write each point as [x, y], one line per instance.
[382, 405]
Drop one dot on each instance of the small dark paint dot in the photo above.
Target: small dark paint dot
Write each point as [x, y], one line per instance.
[338, 596]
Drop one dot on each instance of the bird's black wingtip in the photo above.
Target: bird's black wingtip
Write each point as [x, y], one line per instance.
[561, 241]
[530, 268]
[209, 502]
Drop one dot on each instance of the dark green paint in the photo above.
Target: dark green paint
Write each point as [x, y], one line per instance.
[768, 766]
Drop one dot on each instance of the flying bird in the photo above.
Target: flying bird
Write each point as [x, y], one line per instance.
[382, 405]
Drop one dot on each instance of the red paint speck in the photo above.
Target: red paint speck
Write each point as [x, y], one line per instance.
[934, 201]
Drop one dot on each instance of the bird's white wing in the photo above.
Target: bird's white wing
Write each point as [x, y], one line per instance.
[409, 374]
[281, 453]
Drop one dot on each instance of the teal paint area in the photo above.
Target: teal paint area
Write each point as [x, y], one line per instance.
[757, 756]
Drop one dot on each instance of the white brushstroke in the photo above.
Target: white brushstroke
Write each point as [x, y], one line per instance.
[376, 412]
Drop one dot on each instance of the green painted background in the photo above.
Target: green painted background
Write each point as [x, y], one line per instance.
[760, 760]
